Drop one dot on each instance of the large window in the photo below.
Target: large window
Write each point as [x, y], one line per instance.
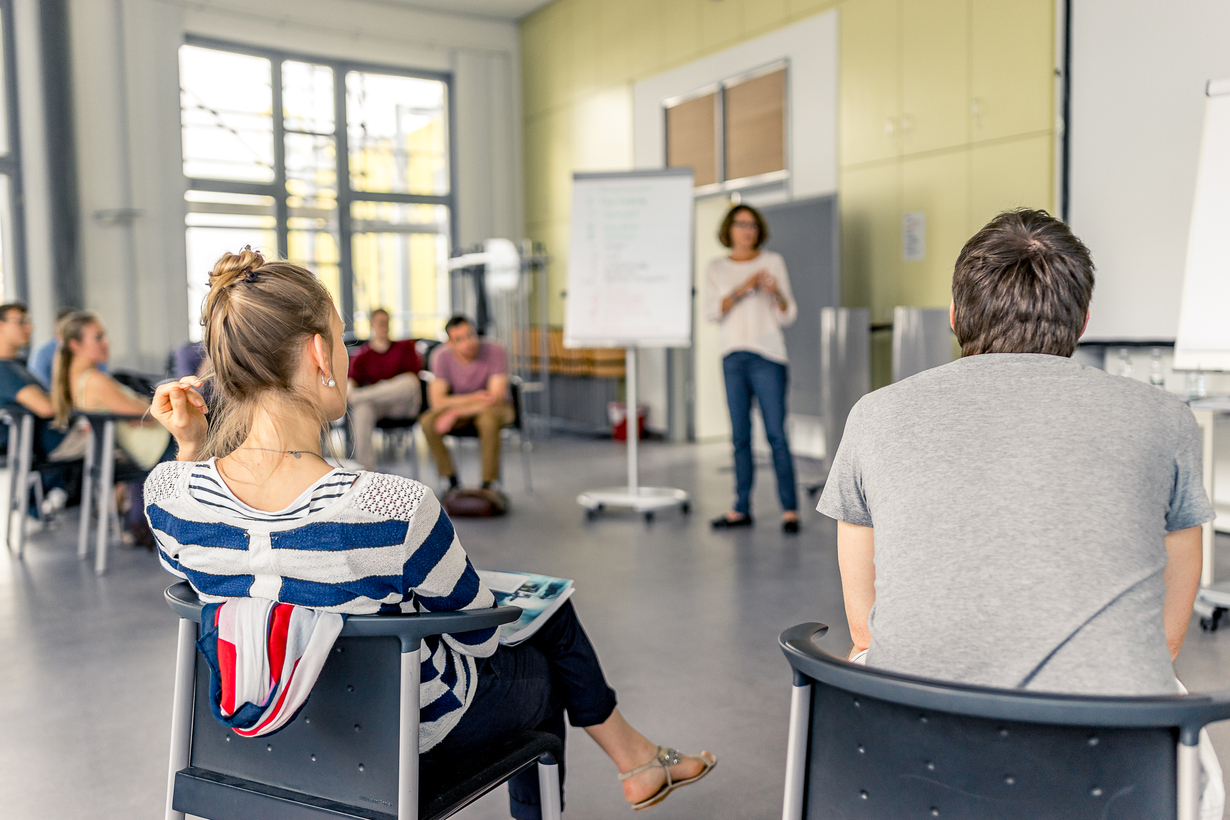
[349, 178]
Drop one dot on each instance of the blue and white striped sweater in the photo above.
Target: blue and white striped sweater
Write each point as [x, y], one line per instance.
[382, 545]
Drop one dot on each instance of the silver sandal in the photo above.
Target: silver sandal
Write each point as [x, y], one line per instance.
[664, 759]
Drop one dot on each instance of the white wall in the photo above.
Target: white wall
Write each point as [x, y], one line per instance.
[126, 106]
[1139, 69]
[810, 47]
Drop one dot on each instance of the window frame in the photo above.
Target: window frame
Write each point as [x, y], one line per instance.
[345, 194]
[719, 89]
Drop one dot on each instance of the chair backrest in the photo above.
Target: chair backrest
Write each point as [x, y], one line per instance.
[341, 747]
[880, 745]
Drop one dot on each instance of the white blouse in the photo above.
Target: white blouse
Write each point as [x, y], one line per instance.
[754, 323]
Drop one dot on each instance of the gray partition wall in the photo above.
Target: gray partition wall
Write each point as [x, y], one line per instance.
[845, 368]
[804, 232]
[922, 339]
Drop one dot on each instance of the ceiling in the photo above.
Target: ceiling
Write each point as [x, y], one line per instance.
[499, 9]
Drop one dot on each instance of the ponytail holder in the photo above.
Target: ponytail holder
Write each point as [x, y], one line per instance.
[249, 276]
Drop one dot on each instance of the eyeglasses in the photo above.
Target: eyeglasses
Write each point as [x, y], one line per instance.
[22, 320]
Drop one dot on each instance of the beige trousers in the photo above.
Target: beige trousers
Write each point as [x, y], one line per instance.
[395, 398]
[489, 423]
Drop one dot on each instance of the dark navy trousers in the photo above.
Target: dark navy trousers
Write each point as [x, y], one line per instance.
[749, 374]
[530, 686]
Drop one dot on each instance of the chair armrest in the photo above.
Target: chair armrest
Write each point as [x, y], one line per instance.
[103, 417]
[409, 629]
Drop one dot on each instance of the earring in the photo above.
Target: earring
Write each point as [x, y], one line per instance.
[328, 382]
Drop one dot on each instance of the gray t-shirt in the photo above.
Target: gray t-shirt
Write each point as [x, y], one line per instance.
[1020, 502]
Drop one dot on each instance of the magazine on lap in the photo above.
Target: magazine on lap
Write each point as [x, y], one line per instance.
[539, 596]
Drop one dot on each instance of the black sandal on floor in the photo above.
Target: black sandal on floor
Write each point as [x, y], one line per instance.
[724, 523]
[790, 525]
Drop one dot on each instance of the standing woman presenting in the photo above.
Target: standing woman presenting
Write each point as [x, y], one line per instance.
[748, 294]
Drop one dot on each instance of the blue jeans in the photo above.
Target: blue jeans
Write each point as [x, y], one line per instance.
[750, 374]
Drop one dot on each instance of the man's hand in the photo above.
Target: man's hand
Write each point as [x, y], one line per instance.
[181, 409]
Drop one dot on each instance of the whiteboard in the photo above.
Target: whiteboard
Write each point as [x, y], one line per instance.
[630, 260]
[1139, 69]
[1203, 341]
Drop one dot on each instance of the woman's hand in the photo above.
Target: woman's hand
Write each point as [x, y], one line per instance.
[179, 408]
[767, 283]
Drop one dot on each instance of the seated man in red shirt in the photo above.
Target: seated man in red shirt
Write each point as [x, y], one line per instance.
[384, 383]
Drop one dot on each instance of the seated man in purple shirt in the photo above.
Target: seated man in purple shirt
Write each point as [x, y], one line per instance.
[470, 384]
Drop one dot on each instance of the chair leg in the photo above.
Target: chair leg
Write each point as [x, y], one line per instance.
[24, 456]
[548, 790]
[408, 738]
[524, 446]
[181, 712]
[796, 751]
[1189, 781]
[106, 495]
[412, 434]
[87, 497]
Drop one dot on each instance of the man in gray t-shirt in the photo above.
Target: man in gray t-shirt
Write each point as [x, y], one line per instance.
[1016, 519]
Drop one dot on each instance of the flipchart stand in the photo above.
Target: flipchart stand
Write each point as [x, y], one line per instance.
[644, 500]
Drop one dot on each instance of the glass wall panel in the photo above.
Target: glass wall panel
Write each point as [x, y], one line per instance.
[400, 255]
[397, 133]
[227, 114]
[215, 224]
[4, 108]
[307, 97]
[8, 262]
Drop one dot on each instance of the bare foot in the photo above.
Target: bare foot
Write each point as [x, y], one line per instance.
[650, 782]
[790, 515]
[445, 421]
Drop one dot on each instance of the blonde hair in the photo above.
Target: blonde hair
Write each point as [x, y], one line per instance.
[257, 317]
[71, 329]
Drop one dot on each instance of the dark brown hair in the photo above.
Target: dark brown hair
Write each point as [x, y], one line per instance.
[7, 306]
[257, 317]
[1022, 284]
[724, 231]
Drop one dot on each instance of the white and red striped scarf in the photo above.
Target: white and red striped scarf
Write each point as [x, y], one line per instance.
[264, 658]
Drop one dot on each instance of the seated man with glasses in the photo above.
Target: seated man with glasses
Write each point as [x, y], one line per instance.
[470, 384]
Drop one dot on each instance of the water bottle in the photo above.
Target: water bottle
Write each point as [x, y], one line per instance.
[1157, 376]
[1125, 362]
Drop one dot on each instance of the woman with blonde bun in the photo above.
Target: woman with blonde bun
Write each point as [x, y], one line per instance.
[358, 542]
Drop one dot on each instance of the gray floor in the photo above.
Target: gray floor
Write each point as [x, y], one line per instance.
[685, 621]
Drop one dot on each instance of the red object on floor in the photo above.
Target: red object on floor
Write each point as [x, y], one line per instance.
[618, 412]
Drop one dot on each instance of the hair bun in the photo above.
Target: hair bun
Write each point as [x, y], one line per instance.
[235, 266]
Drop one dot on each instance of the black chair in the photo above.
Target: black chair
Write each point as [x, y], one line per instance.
[22, 473]
[517, 387]
[99, 479]
[870, 744]
[352, 751]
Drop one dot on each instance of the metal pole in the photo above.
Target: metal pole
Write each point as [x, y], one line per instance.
[408, 740]
[544, 342]
[181, 711]
[796, 752]
[632, 419]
